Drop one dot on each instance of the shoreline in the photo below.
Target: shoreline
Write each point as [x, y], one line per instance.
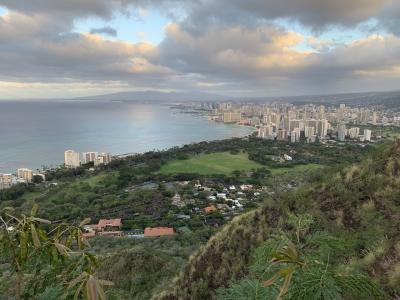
[54, 165]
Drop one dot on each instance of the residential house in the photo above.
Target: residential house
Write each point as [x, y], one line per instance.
[158, 231]
[221, 195]
[109, 227]
[177, 201]
[210, 209]
[212, 198]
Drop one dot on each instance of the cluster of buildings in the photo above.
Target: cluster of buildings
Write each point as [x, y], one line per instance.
[23, 175]
[294, 130]
[310, 122]
[353, 133]
[214, 206]
[227, 201]
[72, 159]
[113, 228]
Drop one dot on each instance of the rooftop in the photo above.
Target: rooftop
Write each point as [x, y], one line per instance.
[109, 222]
[158, 231]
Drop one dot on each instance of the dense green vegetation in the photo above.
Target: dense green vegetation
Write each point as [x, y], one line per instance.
[139, 189]
[118, 188]
[350, 249]
[141, 268]
[41, 260]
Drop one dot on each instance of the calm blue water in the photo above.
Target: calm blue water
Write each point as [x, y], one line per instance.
[37, 133]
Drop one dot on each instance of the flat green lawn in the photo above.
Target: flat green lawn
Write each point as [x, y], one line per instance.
[214, 163]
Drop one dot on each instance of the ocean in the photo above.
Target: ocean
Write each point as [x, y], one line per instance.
[34, 134]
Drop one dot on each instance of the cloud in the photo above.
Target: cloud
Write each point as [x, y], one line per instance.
[389, 17]
[104, 30]
[316, 14]
[31, 51]
[227, 46]
[268, 57]
[74, 8]
[232, 52]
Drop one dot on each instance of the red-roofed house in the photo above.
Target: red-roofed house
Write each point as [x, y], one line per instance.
[158, 231]
[109, 223]
[210, 209]
[110, 227]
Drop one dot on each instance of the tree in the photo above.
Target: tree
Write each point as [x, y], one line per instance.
[296, 265]
[46, 259]
[37, 179]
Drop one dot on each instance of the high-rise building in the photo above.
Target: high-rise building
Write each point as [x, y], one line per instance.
[374, 118]
[311, 123]
[309, 131]
[232, 117]
[342, 132]
[302, 125]
[25, 173]
[298, 133]
[103, 159]
[367, 135]
[273, 118]
[321, 112]
[293, 136]
[286, 123]
[354, 132]
[89, 157]
[294, 124]
[282, 135]
[363, 116]
[5, 181]
[341, 112]
[71, 159]
[225, 106]
[266, 132]
[322, 127]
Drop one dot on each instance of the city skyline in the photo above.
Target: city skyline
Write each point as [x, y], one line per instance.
[235, 48]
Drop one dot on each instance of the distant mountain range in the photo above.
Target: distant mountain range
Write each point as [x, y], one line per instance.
[389, 99]
[159, 96]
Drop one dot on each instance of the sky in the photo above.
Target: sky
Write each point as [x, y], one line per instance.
[71, 48]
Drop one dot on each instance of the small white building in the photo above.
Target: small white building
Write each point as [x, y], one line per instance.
[221, 195]
[287, 157]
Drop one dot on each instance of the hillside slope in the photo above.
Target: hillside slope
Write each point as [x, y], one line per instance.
[358, 207]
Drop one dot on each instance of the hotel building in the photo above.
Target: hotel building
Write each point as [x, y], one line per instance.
[71, 159]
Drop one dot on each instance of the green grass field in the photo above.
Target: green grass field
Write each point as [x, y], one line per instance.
[214, 163]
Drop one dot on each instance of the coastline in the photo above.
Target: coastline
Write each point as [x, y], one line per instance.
[137, 128]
